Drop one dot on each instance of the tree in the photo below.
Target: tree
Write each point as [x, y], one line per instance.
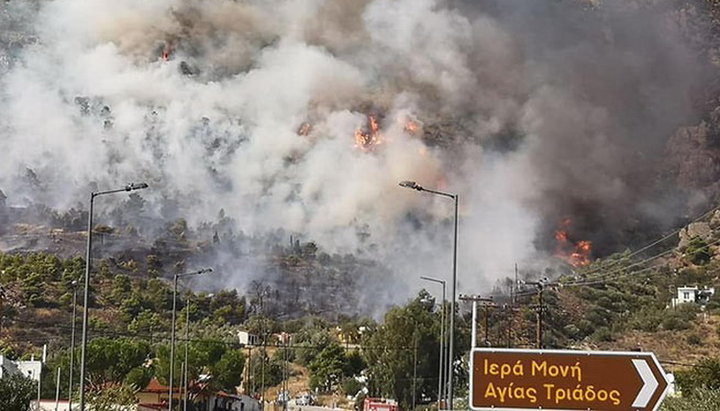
[698, 251]
[402, 354]
[112, 397]
[326, 370]
[264, 369]
[704, 375]
[16, 392]
[228, 371]
[111, 359]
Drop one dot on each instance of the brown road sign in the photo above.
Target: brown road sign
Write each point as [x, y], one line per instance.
[507, 379]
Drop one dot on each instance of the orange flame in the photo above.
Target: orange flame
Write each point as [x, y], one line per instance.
[411, 127]
[167, 51]
[577, 254]
[367, 137]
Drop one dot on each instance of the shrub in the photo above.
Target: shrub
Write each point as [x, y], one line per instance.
[702, 400]
[694, 339]
[602, 334]
[698, 251]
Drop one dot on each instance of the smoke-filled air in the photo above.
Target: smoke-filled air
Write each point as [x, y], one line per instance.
[549, 119]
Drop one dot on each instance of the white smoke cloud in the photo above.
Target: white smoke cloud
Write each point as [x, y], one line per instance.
[216, 125]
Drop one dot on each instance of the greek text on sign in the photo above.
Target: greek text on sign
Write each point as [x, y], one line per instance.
[506, 379]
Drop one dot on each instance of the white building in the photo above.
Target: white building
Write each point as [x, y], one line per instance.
[29, 369]
[245, 338]
[692, 295]
[229, 402]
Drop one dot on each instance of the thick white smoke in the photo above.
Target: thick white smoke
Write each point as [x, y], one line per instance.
[253, 106]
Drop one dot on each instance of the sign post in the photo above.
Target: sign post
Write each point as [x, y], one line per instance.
[508, 379]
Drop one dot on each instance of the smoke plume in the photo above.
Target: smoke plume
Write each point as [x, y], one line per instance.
[305, 114]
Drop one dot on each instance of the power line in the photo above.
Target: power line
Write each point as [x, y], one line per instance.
[608, 277]
[656, 242]
[230, 343]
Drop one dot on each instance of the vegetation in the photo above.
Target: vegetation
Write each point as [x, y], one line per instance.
[16, 392]
[131, 304]
[704, 400]
[110, 396]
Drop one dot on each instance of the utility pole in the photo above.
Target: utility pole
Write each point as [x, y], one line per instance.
[72, 345]
[510, 311]
[540, 286]
[415, 372]
[539, 327]
[515, 286]
[485, 302]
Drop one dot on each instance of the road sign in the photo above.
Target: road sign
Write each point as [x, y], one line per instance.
[507, 379]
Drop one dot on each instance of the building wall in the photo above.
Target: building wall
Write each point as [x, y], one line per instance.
[30, 369]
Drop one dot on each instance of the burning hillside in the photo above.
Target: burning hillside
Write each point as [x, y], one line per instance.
[303, 116]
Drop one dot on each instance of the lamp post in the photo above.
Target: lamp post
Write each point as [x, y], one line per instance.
[415, 186]
[187, 341]
[172, 329]
[128, 188]
[442, 339]
[72, 344]
[187, 338]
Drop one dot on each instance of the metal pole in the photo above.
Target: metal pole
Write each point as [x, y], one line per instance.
[441, 371]
[442, 353]
[473, 337]
[88, 263]
[57, 390]
[414, 186]
[514, 296]
[414, 385]
[540, 318]
[452, 308]
[187, 339]
[39, 381]
[72, 348]
[172, 344]
[85, 304]
[250, 372]
[262, 365]
[487, 315]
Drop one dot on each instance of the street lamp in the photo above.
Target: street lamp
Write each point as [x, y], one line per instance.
[442, 339]
[128, 188]
[72, 344]
[415, 186]
[172, 329]
[187, 341]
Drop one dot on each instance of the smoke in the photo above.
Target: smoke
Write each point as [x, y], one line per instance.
[531, 111]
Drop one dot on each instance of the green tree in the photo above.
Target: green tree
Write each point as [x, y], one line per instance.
[111, 359]
[404, 347]
[326, 370]
[704, 375]
[109, 397]
[16, 392]
[698, 251]
[264, 369]
[228, 371]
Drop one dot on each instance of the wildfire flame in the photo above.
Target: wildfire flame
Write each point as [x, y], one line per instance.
[411, 127]
[167, 51]
[577, 254]
[367, 137]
